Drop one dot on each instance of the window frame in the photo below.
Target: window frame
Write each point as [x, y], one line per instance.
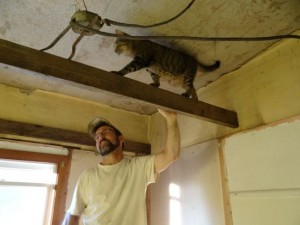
[63, 163]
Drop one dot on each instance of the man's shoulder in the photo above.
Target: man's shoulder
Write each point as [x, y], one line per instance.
[141, 159]
[89, 172]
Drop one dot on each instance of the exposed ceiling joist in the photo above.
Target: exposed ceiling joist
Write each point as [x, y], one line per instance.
[37, 61]
[61, 135]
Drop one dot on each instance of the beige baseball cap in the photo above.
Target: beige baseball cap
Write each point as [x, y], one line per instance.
[98, 122]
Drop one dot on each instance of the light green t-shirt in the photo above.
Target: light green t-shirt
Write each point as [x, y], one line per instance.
[114, 194]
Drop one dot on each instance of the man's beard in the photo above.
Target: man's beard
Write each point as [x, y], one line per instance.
[108, 148]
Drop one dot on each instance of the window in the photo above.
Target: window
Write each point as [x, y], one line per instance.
[27, 191]
[32, 187]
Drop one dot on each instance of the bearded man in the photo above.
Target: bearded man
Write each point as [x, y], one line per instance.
[113, 192]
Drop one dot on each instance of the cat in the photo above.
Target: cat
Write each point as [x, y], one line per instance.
[162, 63]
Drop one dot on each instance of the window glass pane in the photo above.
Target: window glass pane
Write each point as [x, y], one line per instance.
[26, 192]
[22, 205]
[29, 172]
[27, 165]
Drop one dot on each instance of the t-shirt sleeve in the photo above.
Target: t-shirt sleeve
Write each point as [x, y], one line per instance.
[77, 205]
[147, 164]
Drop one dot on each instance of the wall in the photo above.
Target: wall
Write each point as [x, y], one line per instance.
[263, 174]
[61, 111]
[197, 175]
[264, 90]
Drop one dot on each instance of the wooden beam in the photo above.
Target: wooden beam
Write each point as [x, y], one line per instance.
[34, 60]
[65, 136]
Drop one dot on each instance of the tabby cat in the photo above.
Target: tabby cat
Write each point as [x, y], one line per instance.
[162, 63]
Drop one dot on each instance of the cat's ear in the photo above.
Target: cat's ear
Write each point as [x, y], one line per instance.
[121, 33]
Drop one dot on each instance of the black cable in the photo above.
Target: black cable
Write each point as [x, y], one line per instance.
[266, 38]
[111, 22]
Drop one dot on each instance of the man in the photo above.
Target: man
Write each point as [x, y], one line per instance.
[113, 193]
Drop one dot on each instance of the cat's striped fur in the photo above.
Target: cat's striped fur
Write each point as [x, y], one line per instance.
[162, 63]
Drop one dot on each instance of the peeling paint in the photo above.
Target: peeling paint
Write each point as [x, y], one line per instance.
[26, 91]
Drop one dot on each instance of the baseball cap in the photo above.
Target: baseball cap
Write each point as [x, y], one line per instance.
[98, 122]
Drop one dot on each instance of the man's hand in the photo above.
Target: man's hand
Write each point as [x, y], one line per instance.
[168, 115]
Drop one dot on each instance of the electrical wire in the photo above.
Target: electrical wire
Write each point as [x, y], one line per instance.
[84, 5]
[77, 5]
[265, 38]
[193, 38]
[109, 22]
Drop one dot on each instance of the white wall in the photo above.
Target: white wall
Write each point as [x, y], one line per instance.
[197, 173]
[263, 168]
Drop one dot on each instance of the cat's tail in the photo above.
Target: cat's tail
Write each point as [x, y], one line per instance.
[209, 68]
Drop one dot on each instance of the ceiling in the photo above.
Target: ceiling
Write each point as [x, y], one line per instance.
[36, 24]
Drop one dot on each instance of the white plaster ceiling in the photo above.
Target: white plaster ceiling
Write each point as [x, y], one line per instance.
[37, 23]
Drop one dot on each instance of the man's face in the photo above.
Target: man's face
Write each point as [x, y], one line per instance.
[106, 140]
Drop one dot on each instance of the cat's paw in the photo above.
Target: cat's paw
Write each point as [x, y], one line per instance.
[187, 95]
[154, 85]
[116, 72]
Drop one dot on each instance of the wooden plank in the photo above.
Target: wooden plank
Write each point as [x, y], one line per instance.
[41, 62]
[61, 135]
[31, 156]
[60, 202]
[225, 191]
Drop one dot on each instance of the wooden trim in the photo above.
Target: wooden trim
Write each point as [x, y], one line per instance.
[31, 156]
[225, 190]
[61, 135]
[63, 170]
[41, 62]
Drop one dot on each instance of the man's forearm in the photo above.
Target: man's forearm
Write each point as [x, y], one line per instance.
[171, 149]
[173, 139]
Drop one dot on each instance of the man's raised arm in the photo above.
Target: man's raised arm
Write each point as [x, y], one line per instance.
[171, 149]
